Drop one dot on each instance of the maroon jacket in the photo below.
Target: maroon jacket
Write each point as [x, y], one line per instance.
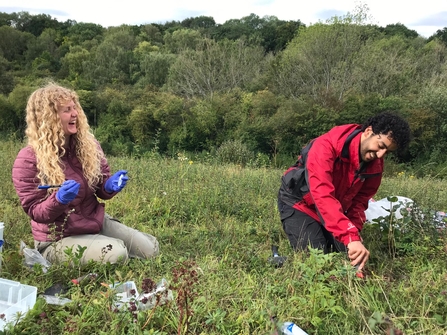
[86, 214]
[328, 184]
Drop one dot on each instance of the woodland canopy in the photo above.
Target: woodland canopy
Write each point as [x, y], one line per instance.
[195, 85]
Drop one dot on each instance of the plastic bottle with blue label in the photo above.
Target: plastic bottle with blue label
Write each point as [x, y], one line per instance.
[289, 328]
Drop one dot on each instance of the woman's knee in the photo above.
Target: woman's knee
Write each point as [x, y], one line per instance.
[151, 247]
[94, 248]
[144, 245]
[115, 252]
[156, 247]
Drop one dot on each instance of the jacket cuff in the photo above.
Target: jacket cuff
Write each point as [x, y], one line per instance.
[350, 238]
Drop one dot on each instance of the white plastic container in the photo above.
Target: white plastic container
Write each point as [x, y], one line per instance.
[289, 328]
[2, 226]
[15, 298]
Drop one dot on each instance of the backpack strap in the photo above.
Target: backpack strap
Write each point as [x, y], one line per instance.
[345, 150]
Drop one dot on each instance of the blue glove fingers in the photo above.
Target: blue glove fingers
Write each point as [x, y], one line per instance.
[122, 181]
[72, 187]
[68, 191]
[68, 183]
[116, 182]
[75, 189]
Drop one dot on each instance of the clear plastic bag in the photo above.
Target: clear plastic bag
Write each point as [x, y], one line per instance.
[127, 293]
[32, 256]
[149, 300]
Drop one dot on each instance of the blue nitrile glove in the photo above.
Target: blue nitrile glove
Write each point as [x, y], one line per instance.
[116, 182]
[68, 191]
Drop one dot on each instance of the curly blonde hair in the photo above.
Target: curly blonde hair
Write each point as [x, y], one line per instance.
[46, 136]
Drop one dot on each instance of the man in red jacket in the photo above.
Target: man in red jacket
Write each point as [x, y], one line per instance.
[323, 197]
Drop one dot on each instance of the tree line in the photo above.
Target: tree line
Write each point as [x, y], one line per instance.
[194, 85]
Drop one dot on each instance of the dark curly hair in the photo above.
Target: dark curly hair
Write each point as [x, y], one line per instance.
[391, 124]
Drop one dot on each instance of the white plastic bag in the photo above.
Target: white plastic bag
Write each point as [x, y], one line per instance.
[32, 256]
[127, 292]
[383, 207]
[149, 300]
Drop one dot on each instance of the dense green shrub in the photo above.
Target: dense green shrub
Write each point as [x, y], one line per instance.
[235, 152]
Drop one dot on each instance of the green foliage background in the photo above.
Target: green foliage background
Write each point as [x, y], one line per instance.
[194, 85]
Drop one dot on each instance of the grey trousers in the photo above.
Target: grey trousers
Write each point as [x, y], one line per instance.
[303, 231]
[115, 242]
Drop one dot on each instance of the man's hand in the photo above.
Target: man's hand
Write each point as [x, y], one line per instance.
[358, 254]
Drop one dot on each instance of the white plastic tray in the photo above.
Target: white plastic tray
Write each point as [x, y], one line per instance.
[15, 298]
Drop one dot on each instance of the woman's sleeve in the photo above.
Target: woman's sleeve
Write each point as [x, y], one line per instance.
[36, 203]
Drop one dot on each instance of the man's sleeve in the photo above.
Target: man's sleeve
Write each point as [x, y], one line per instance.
[320, 163]
[356, 212]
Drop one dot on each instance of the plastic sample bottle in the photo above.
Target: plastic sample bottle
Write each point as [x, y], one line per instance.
[289, 328]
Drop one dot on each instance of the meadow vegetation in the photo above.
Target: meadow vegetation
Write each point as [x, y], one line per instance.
[216, 224]
[244, 96]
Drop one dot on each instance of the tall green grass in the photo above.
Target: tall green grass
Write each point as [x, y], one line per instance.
[221, 222]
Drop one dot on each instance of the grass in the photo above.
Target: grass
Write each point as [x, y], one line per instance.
[216, 224]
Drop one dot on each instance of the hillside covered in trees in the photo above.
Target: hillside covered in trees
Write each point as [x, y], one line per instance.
[195, 85]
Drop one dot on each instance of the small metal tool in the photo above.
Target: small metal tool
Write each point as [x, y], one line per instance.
[276, 259]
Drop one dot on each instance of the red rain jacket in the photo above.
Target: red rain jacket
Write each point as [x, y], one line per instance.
[328, 184]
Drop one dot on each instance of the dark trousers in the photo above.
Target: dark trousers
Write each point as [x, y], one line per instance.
[303, 231]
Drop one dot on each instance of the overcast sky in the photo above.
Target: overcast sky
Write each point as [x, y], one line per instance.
[426, 17]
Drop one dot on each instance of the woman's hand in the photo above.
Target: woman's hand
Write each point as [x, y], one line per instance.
[116, 182]
[68, 191]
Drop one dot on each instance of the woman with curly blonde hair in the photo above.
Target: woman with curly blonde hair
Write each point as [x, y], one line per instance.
[59, 177]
